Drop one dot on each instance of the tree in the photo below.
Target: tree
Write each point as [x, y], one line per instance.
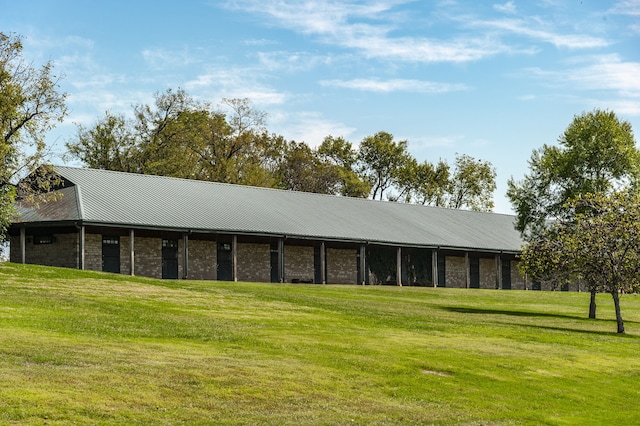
[382, 159]
[423, 183]
[30, 106]
[596, 153]
[341, 154]
[472, 184]
[600, 245]
[110, 145]
[301, 170]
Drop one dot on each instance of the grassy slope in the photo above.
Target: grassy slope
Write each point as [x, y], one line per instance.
[89, 348]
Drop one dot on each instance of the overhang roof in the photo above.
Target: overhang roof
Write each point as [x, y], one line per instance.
[100, 197]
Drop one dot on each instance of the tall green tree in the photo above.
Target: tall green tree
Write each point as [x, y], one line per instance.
[382, 159]
[599, 245]
[472, 184]
[596, 153]
[110, 145]
[301, 170]
[344, 157]
[30, 106]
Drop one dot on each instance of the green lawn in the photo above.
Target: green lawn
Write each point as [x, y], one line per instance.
[93, 348]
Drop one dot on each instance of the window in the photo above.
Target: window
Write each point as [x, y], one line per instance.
[43, 239]
[170, 243]
[110, 240]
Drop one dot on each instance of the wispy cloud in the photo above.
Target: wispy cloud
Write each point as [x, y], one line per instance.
[608, 75]
[626, 7]
[308, 126]
[368, 28]
[163, 58]
[508, 7]
[292, 62]
[530, 29]
[395, 85]
[218, 83]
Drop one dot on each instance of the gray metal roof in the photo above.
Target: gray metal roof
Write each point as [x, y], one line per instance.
[143, 201]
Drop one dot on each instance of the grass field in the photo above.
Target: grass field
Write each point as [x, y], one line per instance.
[93, 348]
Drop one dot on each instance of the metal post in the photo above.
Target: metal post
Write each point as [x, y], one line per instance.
[132, 257]
[399, 266]
[23, 245]
[185, 255]
[323, 264]
[234, 257]
[467, 266]
[81, 248]
[434, 267]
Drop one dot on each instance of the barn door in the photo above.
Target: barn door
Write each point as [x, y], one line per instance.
[111, 254]
[170, 259]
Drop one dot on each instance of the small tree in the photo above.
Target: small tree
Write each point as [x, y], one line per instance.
[600, 245]
[30, 106]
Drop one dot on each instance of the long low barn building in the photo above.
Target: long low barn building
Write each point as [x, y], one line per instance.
[176, 228]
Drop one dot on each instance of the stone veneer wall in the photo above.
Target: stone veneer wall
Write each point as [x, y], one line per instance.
[93, 252]
[455, 272]
[203, 256]
[341, 266]
[63, 252]
[298, 263]
[254, 262]
[148, 257]
[517, 280]
[488, 273]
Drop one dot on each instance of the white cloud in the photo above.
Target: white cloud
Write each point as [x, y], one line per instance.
[218, 83]
[162, 58]
[368, 28]
[394, 85]
[601, 74]
[626, 7]
[307, 126]
[508, 7]
[525, 28]
[292, 62]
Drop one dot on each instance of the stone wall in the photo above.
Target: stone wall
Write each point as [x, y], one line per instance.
[488, 273]
[517, 280]
[341, 266]
[62, 252]
[455, 272]
[254, 262]
[148, 257]
[93, 252]
[298, 263]
[203, 256]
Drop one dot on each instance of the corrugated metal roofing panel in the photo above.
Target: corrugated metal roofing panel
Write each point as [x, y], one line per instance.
[152, 201]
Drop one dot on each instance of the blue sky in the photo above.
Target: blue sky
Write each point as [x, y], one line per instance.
[494, 80]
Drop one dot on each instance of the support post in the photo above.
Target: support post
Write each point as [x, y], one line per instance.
[467, 267]
[234, 258]
[498, 272]
[185, 255]
[23, 245]
[281, 260]
[81, 248]
[323, 263]
[363, 265]
[434, 267]
[399, 266]
[132, 257]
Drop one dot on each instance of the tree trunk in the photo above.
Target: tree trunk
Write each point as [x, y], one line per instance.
[616, 303]
[592, 305]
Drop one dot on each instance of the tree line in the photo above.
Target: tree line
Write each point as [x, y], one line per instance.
[180, 137]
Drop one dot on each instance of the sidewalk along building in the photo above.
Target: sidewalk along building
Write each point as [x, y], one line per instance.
[176, 228]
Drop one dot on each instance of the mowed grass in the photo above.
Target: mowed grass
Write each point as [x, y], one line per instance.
[92, 348]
